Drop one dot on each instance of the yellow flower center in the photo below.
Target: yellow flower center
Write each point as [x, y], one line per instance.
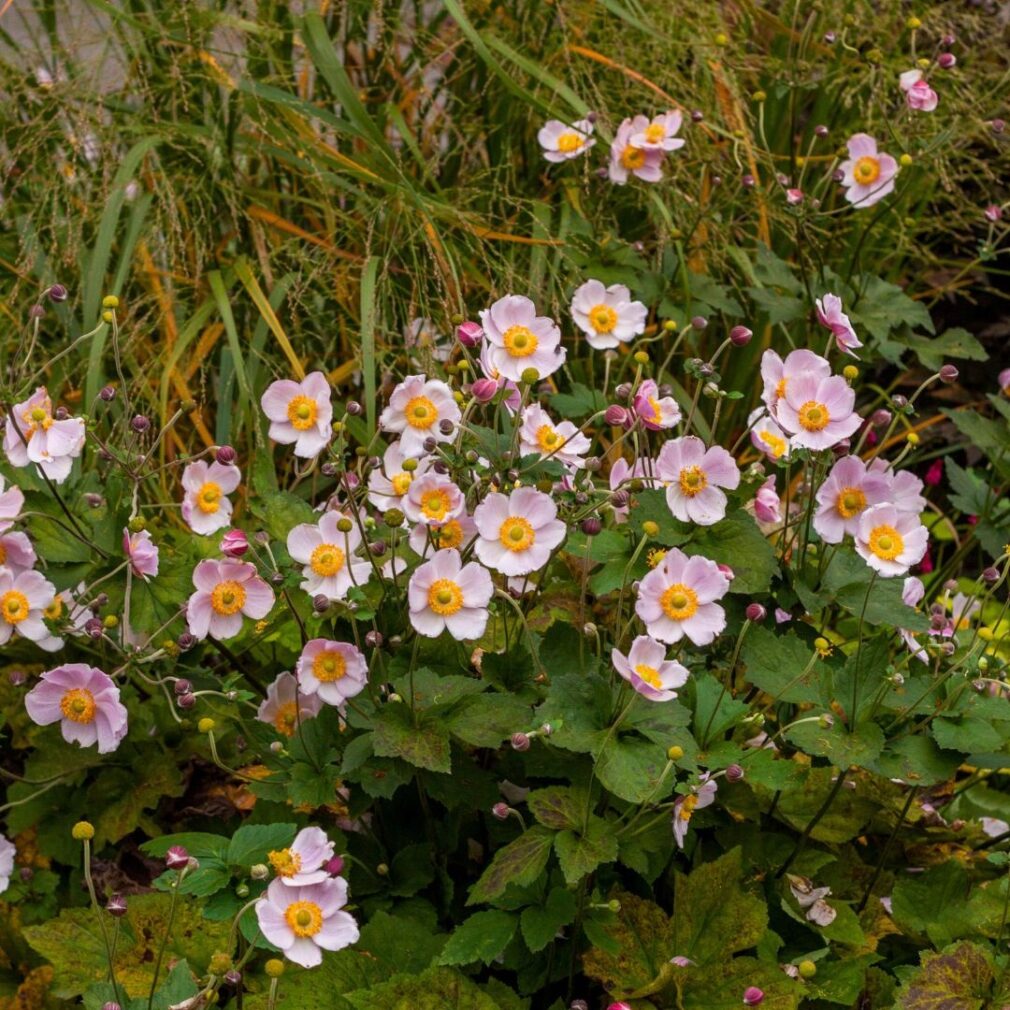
[208, 497]
[54, 609]
[866, 170]
[886, 542]
[814, 416]
[850, 502]
[687, 807]
[679, 602]
[436, 504]
[445, 597]
[693, 481]
[776, 445]
[327, 560]
[520, 341]
[655, 557]
[421, 412]
[632, 158]
[449, 534]
[401, 483]
[328, 667]
[228, 598]
[516, 534]
[569, 142]
[302, 412]
[78, 705]
[304, 917]
[655, 132]
[657, 411]
[37, 417]
[3, 555]
[603, 318]
[650, 675]
[286, 720]
[285, 862]
[14, 606]
[548, 439]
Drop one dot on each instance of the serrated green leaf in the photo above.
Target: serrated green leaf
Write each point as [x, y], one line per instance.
[581, 853]
[481, 937]
[541, 923]
[520, 862]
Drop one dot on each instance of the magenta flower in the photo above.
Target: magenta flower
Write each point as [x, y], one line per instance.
[33, 435]
[446, 595]
[335, 671]
[541, 436]
[300, 413]
[776, 375]
[702, 795]
[16, 552]
[694, 477]
[432, 499]
[867, 174]
[918, 94]
[205, 505]
[389, 483]
[849, 490]
[817, 412]
[326, 555]
[518, 339]
[661, 133]
[416, 409]
[561, 142]
[831, 316]
[607, 315]
[648, 671]
[12, 501]
[677, 598]
[891, 541]
[225, 592]
[305, 921]
[517, 533]
[654, 411]
[24, 598]
[142, 553]
[234, 544]
[626, 159]
[303, 863]
[285, 705]
[84, 701]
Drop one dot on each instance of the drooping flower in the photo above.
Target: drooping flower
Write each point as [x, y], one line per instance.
[818, 412]
[84, 701]
[446, 595]
[918, 94]
[335, 671]
[661, 133]
[456, 533]
[225, 592]
[285, 705]
[563, 441]
[142, 553]
[776, 374]
[701, 795]
[326, 554]
[767, 504]
[205, 504]
[905, 489]
[608, 316]
[850, 488]
[16, 552]
[1003, 381]
[432, 499]
[303, 862]
[33, 435]
[890, 541]
[416, 409]
[622, 472]
[517, 533]
[654, 411]
[831, 316]
[811, 900]
[300, 413]
[694, 477]
[12, 501]
[766, 435]
[7, 853]
[24, 598]
[626, 159]
[677, 598]
[562, 142]
[648, 671]
[389, 483]
[513, 399]
[867, 174]
[518, 339]
[305, 921]
[912, 593]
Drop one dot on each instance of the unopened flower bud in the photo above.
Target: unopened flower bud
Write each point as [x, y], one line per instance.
[881, 418]
[697, 116]
[578, 1004]
[111, 1005]
[616, 416]
[57, 293]
[107, 393]
[259, 871]
[748, 181]
[445, 426]
[374, 640]
[116, 906]
[177, 858]
[619, 499]
[740, 336]
[233, 976]
[520, 742]
[483, 390]
[501, 811]
[946, 60]
[335, 866]
[990, 575]
[728, 572]
[94, 501]
[469, 333]
[320, 603]
[140, 423]
[993, 213]
[591, 526]
[225, 455]
[61, 414]
[93, 628]
[699, 322]
[752, 995]
[234, 544]
[997, 125]
[430, 444]
[948, 373]
[734, 773]
[17, 678]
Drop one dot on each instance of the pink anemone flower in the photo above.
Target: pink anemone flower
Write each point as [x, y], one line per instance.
[326, 555]
[695, 477]
[562, 142]
[627, 159]
[142, 553]
[335, 671]
[518, 339]
[446, 595]
[891, 541]
[84, 701]
[226, 591]
[677, 598]
[867, 174]
[285, 705]
[648, 671]
[416, 410]
[32, 434]
[205, 505]
[517, 533]
[818, 413]
[849, 490]
[608, 316]
[303, 862]
[831, 316]
[300, 413]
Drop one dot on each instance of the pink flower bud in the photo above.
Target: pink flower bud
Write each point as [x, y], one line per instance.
[752, 995]
[621, 1005]
[520, 742]
[500, 811]
[946, 60]
[234, 544]
[934, 474]
[177, 858]
[225, 455]
[794, 196]
[335, 866]
[740, 336]
[728, 572]
[483, 390]
[993, 213]
[734, 773]
[469, 334]
[616, 416]
[948, 373]
[755, 612]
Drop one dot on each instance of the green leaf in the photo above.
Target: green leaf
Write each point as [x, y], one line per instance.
[253, 843]
[776, 665]
[934, 903]
[400, 943]
[650, 506]
[958, 978]
[425, 745]
[630, 767]
[988, 434]
[838, 745]
[850, 581]
[971, 493]
[736, 541]
[580, 401]
[918, 760]
[280, 512]
[557, 807]
[577, 707]
[720, 986]
[488, 719]
[953, 343]
[411, 870]
[541, 923]
[434, 989]
[845, 818]
[968, 735]
[325, 987]
[581, 853]
[123, 794]
[520, 862]
[482, 938]
[884, 307]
